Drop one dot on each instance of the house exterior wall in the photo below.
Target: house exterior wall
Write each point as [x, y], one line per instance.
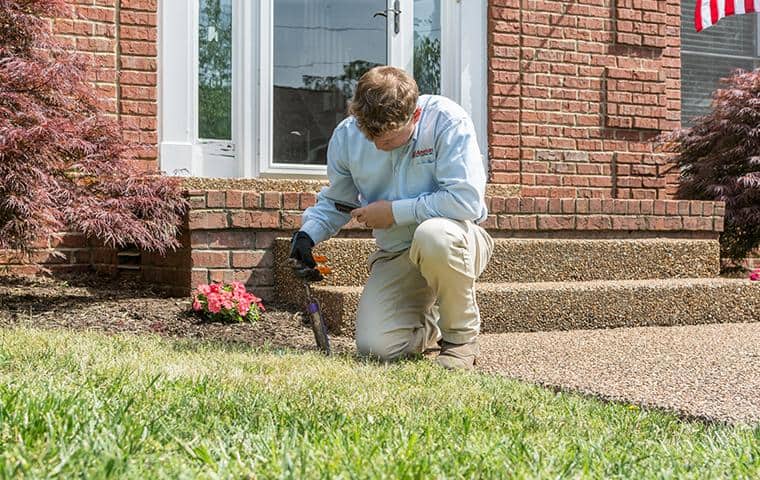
[121, 37]
[232, 232]
[578, 91]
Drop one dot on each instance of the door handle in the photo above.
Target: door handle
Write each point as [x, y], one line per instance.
[396, 11]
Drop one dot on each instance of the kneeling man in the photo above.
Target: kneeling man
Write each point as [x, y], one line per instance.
[411, 167]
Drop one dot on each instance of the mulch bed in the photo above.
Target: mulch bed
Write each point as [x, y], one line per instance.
[126, 306]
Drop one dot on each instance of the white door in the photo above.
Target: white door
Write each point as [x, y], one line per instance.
[321, 48]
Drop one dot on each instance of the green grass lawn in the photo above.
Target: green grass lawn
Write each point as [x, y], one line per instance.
[91, 406]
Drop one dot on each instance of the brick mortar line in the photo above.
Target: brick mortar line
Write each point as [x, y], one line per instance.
[520, 95]
[506, 205]
[117, 32]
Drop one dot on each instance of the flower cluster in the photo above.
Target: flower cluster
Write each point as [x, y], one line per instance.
[755, 275]
[227, 302]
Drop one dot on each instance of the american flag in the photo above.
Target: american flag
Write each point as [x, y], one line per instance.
[708, 12]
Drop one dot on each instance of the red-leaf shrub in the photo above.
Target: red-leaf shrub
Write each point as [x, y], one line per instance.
[719, 159]
[63, 162]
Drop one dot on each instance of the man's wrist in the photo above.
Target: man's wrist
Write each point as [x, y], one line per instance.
[403, 211]
[301, 234]
[313, 230]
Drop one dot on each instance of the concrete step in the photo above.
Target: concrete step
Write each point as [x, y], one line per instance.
[536, 260]
[544, 306]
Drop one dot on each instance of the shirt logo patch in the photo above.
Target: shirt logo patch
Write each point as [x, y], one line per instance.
[422, 153]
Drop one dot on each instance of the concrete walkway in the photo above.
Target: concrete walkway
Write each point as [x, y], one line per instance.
[708, 371]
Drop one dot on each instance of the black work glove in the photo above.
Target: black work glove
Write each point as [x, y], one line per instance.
[300, 249]
[301, 258]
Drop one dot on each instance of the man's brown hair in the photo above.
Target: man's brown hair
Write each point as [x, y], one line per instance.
[385, 100]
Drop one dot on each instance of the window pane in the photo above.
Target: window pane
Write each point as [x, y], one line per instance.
[734, 35]
[700, 76]
[712, 55]
[427, 45]
[215, 70]
[321, 48]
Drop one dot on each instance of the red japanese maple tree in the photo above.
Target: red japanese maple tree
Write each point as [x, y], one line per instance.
[63, 162]
[719, 159]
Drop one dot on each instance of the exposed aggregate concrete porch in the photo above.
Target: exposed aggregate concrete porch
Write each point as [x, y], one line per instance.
[705, 371]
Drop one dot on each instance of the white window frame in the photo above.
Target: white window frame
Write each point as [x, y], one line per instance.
[249, 153]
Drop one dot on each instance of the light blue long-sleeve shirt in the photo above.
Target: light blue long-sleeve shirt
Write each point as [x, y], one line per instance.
[437, 173]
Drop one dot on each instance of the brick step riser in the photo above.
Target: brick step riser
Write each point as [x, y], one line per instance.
[509, 309]
[536, 260]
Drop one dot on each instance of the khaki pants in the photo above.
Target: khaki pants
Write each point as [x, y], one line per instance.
[398, 315]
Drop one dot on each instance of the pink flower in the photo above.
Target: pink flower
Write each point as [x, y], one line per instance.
[214, 305]
[755, 275]
[238, 288]
[243, 308]
[226, 301]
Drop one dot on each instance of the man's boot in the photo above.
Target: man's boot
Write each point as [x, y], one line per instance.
[458, 356]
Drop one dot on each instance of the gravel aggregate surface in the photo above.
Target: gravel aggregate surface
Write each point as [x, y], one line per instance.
[538, 260]
[300, 185]
[544, 306]
[705, 371]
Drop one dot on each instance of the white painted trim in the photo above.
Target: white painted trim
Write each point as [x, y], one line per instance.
[176, 88]
[451, 52]
[289, 170]
[180, 151]
[236, 99]
[464, 55]
[474, 74]
[218, 158]
[247, 63]
[265, 83]
[263, 102]
[159, 85]
[401, 45]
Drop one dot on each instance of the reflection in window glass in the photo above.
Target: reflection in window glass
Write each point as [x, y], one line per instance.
[427, 45]
[712, 54]
[700, 76]
[321, 48]
[215, 70]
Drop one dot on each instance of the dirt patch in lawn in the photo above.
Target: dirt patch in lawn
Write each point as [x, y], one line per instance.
[127, 306]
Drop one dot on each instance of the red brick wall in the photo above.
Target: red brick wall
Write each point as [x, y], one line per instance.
[120, 35]
[69, 252]
[229, 234]
[578, 90]
[232, 232]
